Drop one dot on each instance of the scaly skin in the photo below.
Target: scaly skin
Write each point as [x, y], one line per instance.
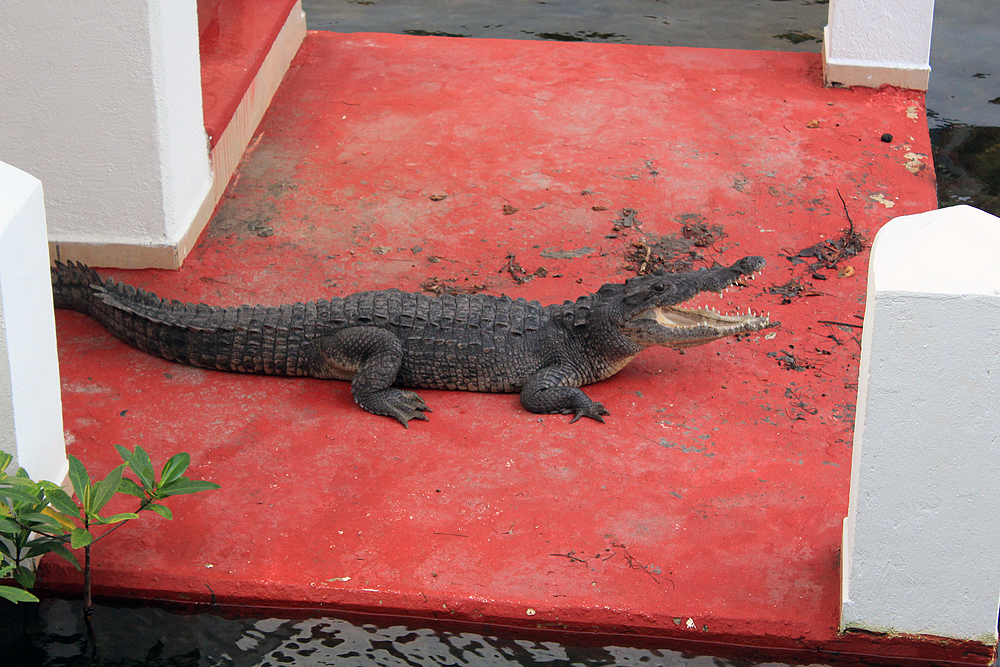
[388, 339]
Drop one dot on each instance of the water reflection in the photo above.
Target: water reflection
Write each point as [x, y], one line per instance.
[53, 634]
[777, 25]
[967, 162]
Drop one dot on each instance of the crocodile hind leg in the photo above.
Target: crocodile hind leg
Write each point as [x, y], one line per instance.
[546, 393]
[370, 358]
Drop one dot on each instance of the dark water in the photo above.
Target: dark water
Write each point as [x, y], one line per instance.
[777, 25]
[963, 101]
[53, 634]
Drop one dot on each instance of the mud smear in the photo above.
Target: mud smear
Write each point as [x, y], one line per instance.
[789, 291]
[627, 218]
[437, 286]
[234, 219]
[827, 254]
[263, 176]
[671, 253]
[788, 361]
[518, 274]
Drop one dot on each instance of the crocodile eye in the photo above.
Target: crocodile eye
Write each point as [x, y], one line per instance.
[659, 287]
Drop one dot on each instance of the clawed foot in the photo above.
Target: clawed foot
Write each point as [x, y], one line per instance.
[399, 404]
[543, 397]
[595, 411]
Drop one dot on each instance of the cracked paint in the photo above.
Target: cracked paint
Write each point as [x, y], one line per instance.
[880, 198]
[914, 162]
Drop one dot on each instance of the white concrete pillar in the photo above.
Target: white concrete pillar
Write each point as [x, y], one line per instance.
[30, 405]
[101, 100]
[871, 44]
[920, 540]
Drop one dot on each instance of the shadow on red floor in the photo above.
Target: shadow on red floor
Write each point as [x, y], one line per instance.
[708, 508]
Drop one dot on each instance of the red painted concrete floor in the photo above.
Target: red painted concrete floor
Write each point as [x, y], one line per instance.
[707, 510]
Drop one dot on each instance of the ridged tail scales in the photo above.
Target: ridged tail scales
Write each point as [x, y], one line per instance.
[248, 339]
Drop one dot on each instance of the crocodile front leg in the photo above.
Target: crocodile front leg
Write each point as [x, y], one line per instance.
[370, 358]
[547, 392]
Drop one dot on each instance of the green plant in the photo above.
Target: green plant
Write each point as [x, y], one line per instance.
[40, 517]
[11, 593]
[27, 531]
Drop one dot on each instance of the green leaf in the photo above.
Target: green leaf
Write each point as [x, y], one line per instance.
[34, 517]
[65, 553]
[40, 547]
[128, 457]
[19, 480]
[140, 464]
[143, 458]
[105, 490]
[78, 476]
[41, 523]
[174, 468]
[162, 510]
[80, 538]
[117, 518]
[60, 500]
[20, 493]
[65, 521]
[131, 488]
[5, 460]
[183, 486]
[8, 526]
[16, 595]
[25, 577]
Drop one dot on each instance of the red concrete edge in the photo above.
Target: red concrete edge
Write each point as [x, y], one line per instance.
[590, 626]
[235, 37]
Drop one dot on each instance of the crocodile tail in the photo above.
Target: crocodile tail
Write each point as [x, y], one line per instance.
[78, 287]
[75, 286]
[247, 339]
[132, 314]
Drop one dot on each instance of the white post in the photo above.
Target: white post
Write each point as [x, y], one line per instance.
[920, 549]
[871, 44]
[30, 405]
[102, 101]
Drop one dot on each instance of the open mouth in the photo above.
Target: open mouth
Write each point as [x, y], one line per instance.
[680, 327]
[677, 317]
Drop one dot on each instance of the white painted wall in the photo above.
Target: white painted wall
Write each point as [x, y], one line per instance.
[30, 405]
[868, 43]
[101, 100]
[920, 540]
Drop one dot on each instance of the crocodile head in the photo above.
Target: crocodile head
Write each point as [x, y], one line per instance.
[655, 308]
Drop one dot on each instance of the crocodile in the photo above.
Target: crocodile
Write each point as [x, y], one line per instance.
[387, 342]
